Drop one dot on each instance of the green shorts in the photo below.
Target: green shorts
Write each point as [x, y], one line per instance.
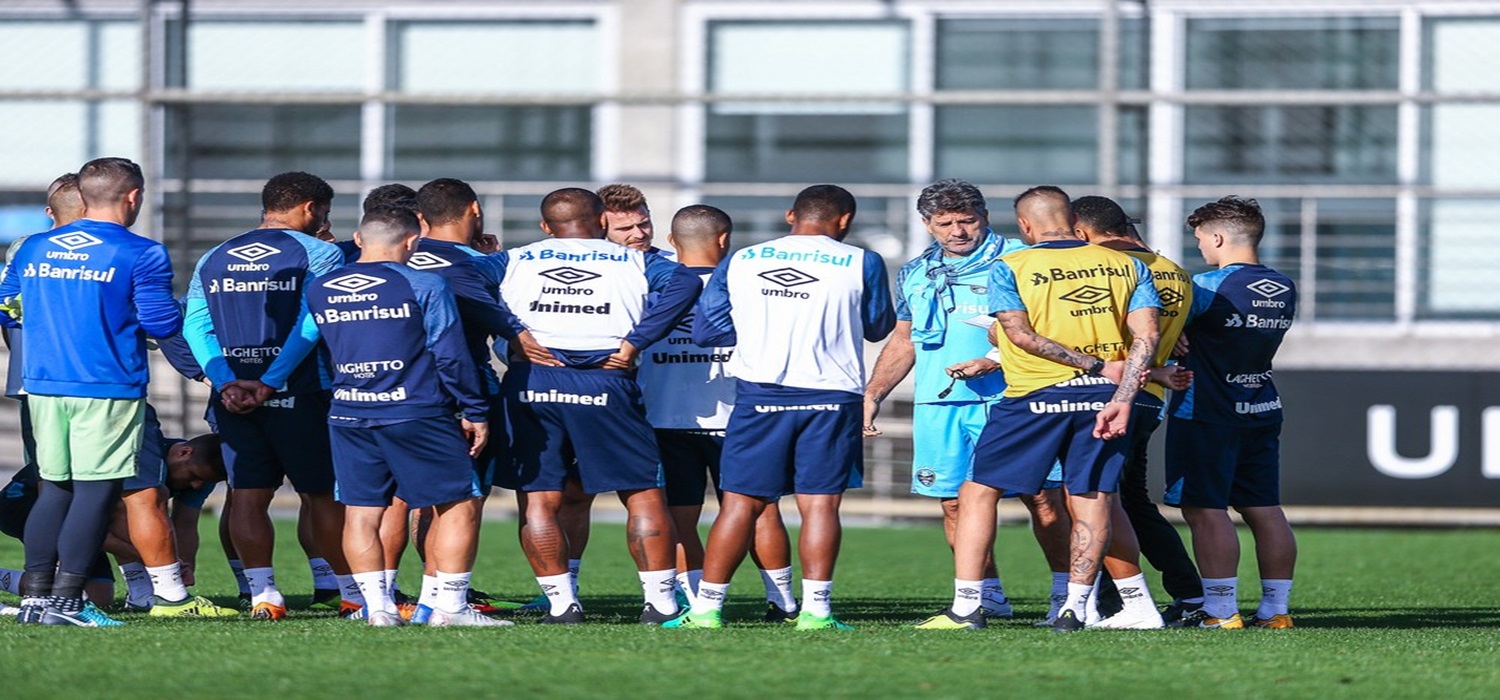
[86, 439]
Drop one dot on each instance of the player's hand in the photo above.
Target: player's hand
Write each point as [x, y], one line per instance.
[971, 369]
[486, 243]
[624, 358]
[1180, 348]
[532, 351]
[1112, 420]
[1114, 370]
[235, 398]
[1174, 377]
[187, 573]
[872, 409]
[477, 434]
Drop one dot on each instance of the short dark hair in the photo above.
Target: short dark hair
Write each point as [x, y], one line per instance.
[291, 190]
[621, 197]
[63, 194]
[1103, 215]
[392, 194]
[951, 196]
[208, 448]
[444, 200]
[1231, 216]
[1042, 191]
[571, 204]
[388, 225]
[107, 180]
[700, 221]
[823, 203]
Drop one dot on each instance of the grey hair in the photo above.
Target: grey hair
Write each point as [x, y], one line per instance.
[950, 195]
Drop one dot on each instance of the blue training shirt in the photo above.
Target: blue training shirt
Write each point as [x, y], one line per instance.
[397, 346]
[91, 293]
[1239, 317]
[440, 258]
[246, 312]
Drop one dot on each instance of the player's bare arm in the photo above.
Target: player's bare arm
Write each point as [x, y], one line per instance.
[533, 351]
[1017, 328]
[895, 362]
[1114, 418]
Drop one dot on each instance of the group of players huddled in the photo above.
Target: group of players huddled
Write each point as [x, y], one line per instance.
[361, 372]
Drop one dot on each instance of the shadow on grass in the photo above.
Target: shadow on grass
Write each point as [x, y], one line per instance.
[1397, 618]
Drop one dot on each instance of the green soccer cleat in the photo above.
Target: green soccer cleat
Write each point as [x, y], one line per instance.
[949, 620]
[711, 620]
[808, 622]
[193, 606]
[326, 599]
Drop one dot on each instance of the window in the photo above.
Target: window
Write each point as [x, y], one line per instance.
[43, 139]
[1335, 53]
[489, 143]
[1458, 259]
[70, 55]
[256, 141]
[1014, 144]
[274, 56]
[1334, 143]
[1017, 54]
[491, 57]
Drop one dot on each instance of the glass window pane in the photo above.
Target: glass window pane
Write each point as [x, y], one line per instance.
[43, 139]
[22, 213]
[490, 143]
[1356, 259]
[277, 56]
[808, 57]
[806, 147]
[1458, 259]
[1462, 53]
[1353, 53]
[994, 54]
[98, 55]
[233, 141]
[117, 58]
[1133, 129]
[533, 57]
[1342, 144]
[996, 144]
[1462, 145]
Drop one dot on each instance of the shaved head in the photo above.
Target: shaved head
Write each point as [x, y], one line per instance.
[699, 225]
[1045, 208]
[105, 182]
[64, 200]
[388, 226]
[571, 205]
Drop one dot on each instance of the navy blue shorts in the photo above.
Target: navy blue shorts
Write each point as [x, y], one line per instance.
[424, 461]
[493, 465]
[771, 451]
[689, 461]
[1218, 466]
[559, 414]
[285, 439]
[1026, 436]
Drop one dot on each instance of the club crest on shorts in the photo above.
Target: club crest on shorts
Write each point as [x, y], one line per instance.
[926, 476]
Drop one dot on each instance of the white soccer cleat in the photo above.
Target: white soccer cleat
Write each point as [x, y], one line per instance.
[468, 618]
[385, 619]
[1144, 618]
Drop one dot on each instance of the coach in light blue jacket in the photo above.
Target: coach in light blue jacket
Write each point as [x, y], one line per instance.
[92, 292]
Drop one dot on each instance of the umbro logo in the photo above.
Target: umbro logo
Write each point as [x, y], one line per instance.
[1267, 288]
[353, 283]
[788, 277]
[1088, 295]
[969, 592]
[1221, 590]
[569, 275]
[1171, 297]
[75, 240]
[685, 325]
[253, 252]
[423, 260]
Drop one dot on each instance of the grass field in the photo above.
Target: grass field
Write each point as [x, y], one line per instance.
[1380, 613]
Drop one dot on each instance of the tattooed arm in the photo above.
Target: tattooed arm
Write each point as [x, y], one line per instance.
[1017, 328]
[1114, 418]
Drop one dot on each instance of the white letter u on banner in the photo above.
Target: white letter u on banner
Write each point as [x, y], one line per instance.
[1380, 443]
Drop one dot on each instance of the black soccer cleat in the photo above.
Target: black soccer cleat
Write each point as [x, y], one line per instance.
[775, 614]
[650, 616]
[32, 611]
[572, 616]
[1067, 621]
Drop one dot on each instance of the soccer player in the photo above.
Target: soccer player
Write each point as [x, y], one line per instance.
[1069, 310]
[1223, 433]
[1138, 527]
[93, 291]
[798, 310]
[401, 370]
[249, 329]
[17, 499]
[628, 219]
[579, 309]
[689, 394]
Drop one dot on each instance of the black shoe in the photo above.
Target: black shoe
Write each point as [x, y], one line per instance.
[774, 613]
[1177, 613]
[32, 611]
[1067, 621]
[572, 616]
[245, 602]
[651, 616]
[65, 612]
[326, 599]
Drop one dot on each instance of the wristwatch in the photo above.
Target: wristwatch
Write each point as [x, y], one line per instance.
[1097, 367]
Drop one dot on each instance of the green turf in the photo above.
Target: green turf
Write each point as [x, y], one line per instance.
[1379, 613]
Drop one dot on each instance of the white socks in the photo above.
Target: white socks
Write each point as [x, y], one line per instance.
[138, 588]
[1079, 595]
[711, 597]
[372, 588]
[429, 594]
[778, 583]
[322, 573]
[166, 581]
[817, 598]
[262, 582]
[559, 591]
[966, 597]
[1221, 597]
[1274, 595]
[349, 588]
[452, 591]
[390, 581]
[1134, 595]
[658, 588]
[573, 567]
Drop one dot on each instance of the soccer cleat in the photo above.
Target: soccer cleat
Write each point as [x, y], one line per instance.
[407, 609]
[1274, 622]
[806, 621]
[97, 617]
[949, 620]
[386, 619]
[420, 615]
[192, 606]
[1147, 618]
[325, 599]
[1067, 621]
[351, 611]
[1202, 620]
[539, 604]
[683, 601]
[268, 611]
[32, 611]
[1057, 602]
[775, 614]
[488, 604]
[650, 616]
[245, 602]
[468, 617]
[572, 616]
[997, 608]
[131, 606]
[711, 620]
[1175, 612]
[8, 609]
[87, 616]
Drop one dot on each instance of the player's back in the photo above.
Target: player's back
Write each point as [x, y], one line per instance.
[1240, 315]
[686, 387]
[1174, 286]
[578, 294]
[799, 305]
[439, 258]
